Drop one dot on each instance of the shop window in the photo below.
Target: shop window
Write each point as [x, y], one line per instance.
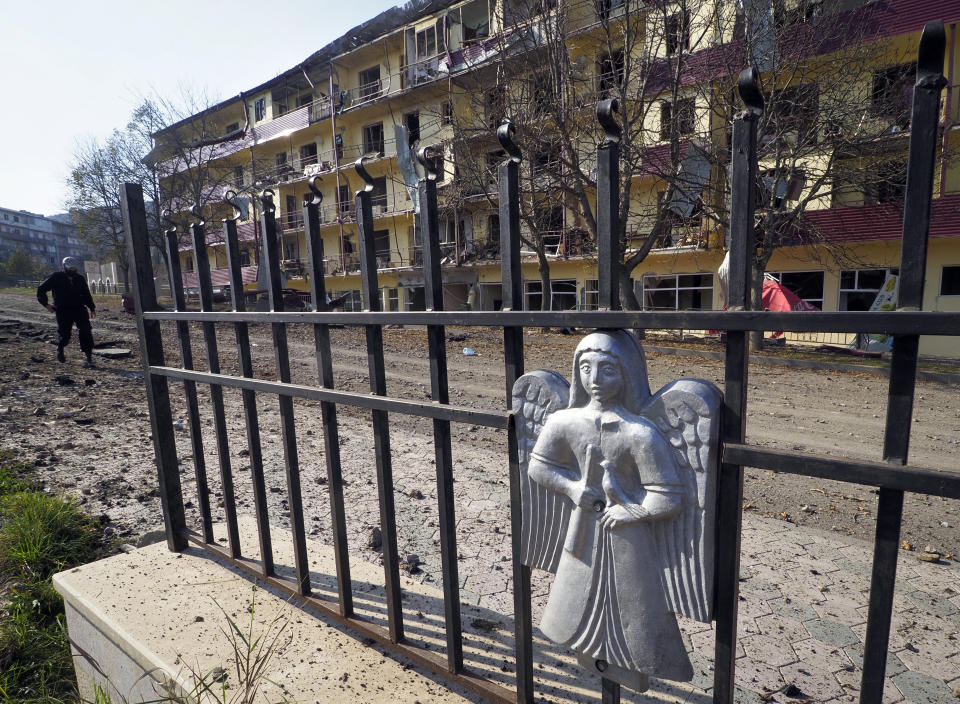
[950, 281]
[590, 295]
[678, 292]
[859, 287]
[808, 285]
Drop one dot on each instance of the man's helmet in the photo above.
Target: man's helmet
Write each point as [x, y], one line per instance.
[71, 263]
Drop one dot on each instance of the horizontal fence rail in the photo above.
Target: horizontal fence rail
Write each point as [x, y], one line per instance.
[881, 322]
[892, 475]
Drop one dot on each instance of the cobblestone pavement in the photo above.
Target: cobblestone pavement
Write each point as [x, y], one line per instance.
[804, 591]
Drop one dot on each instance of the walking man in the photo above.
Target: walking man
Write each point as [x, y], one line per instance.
[71, 298]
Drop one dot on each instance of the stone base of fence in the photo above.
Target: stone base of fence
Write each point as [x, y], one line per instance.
[151, 621]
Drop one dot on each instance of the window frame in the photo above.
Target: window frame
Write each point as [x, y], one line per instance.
[676, 288]
[778, 275]
[943, 271]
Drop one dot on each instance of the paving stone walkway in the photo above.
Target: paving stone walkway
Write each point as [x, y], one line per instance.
[803, 620]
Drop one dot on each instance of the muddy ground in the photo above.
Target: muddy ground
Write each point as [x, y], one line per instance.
[89, 434]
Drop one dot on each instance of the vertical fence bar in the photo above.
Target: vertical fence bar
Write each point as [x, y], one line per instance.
[378, 385]
[271, 254]
[189, 387]
[198, 235]
[903, 362]
[250, 415]
[608, 208]
[328, 410]
[151, 355]
[608, 252]
[511, 282]
[436, 340]
[733, 428]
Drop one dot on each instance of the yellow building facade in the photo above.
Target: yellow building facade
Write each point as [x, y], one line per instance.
[396, 83]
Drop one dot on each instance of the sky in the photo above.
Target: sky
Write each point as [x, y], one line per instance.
[72, 71]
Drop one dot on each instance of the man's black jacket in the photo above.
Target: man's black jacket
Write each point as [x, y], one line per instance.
[69, 288]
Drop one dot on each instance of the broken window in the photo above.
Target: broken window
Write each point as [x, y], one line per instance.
[308, 154]
[378, 197]
[859, 287]
[369, 81]
[950, 281]
[808, 285]
[893, 93]
[678, 292]
[677, 33]
[259, 109]
[373, 139]
[605, 7]
[412, 122]
[684, 113]
[888, 183]
[794, 111]
[496, 104]
[610, 73]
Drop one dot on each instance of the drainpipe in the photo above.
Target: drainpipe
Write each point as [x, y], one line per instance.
[948, 120]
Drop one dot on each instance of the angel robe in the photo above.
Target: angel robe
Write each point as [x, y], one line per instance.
[608, 603]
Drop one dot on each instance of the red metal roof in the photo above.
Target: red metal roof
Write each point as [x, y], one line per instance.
[245, 233]
[220, 277]
[882, 222]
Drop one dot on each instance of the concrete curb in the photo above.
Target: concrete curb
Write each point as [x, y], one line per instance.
[939, 377]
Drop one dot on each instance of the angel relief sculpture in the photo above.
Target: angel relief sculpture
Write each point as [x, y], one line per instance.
[618, 492]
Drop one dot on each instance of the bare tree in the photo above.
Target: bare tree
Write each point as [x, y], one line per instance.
[832, 132]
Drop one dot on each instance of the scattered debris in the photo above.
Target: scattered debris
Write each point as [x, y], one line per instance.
[64, 380]
[469, 351]
[929, 554]
[376, 538]
[485, 624]
[411, 564]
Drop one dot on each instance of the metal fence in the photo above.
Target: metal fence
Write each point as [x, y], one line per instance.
[893, 476]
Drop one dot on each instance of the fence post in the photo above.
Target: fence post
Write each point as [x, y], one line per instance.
[436, 341]
[511, 283]
[328, 410]
[271, 254]
[608, 207]
[189, 387]
[151, 355]
[199, 237]
[378, 385]
[241, 331]
[730, 485]
[903, 362]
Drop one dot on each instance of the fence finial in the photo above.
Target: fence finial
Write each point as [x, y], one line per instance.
[505, 133]
[606, 109]
[195, 211]
[933, 42]
[362, 172]
[266, 201]
[230, 198]
[314, 197]
[167, 216]
[748, 84]
[426, 155]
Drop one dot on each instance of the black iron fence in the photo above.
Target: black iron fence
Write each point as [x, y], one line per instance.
[892, 475]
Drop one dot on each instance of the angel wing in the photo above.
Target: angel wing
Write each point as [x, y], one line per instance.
[687, 412]
[546, 513]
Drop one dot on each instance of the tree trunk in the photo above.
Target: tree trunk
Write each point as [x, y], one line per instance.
[629, 300]
[543, 268]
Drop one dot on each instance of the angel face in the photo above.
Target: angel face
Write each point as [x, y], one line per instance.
[601, 376]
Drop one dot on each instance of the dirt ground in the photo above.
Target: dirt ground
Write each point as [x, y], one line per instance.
[89, 433]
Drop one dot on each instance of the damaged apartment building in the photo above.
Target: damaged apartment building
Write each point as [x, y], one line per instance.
[445, 74]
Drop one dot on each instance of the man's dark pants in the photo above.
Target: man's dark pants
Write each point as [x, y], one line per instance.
[66, 319]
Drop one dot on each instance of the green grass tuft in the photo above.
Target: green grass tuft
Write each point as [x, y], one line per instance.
[39, 536]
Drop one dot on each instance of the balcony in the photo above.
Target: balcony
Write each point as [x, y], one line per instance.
[566, 243]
